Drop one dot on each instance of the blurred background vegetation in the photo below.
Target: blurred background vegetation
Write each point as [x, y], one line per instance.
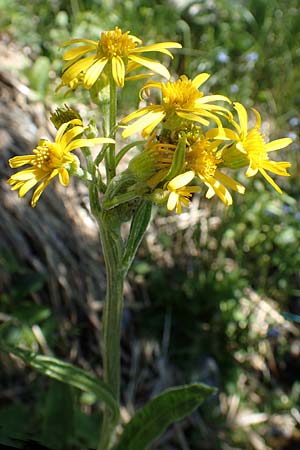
[214, 295]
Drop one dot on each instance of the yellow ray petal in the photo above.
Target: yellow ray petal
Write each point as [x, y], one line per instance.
[172, 200]
[257, 119]
[193, 117]
[18, 161]
[200, 79]
[143, 122]
[181, 180]
[145, 49]
[178, 207]
[118, 70]
[75, 69]
[27, 186]
[152, 65]
[41, 187]
[14, 184]
[24, 175]
[252, 170]
[148, 130]
[230, 182]
[278, 144]
[270, 180]
[160, 47]
[93, 72]
[221, 191]
[277, 167]
[75, 41]
[213, 98]
[70, 134]
[38, 192]
[139, 76]
[224, 134]
[211, 116]
[60, 132]
[77, 52]
[243, 117]
[140, 112]
[210, 192]
[63, 176]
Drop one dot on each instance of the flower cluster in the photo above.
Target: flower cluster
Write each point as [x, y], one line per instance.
[51, 159]
[191, 139]
[184, 111]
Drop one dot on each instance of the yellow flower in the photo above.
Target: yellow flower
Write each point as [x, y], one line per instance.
[50, 159]
[181, 99]
[116, 50]
[203, 158]
[252, 144]
[180, 193]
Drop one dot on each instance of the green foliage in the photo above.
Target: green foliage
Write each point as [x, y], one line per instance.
[67, 373]
[169, 407]
[58, 423]
[246, 45]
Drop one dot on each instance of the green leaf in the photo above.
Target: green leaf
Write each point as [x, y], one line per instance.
[58, 424]
[69, 374]
[150, 421]
[14, 425]
[178, 159]
[138, 227]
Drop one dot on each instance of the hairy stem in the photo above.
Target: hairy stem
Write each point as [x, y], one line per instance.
[112, 246]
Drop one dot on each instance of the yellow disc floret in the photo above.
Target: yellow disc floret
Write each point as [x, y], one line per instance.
[180, 94]
[116, 43]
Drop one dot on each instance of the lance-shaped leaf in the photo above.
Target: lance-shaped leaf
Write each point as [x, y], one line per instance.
[138, 227]
[150, 422]
[69, 374]
[178, 161]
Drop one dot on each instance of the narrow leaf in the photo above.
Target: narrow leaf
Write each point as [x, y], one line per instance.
[151, 421]
[138, 227]
[58, 425]
[69, 374]
[178, 159]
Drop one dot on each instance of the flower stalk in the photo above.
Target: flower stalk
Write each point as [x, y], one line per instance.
[186, 147]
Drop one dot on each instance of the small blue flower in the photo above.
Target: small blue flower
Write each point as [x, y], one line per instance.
[234, 88]
[297, 215]
[273, 332]
[252, 57]
[294, 121]
[287, 208]
[222, 57]
[292, 135]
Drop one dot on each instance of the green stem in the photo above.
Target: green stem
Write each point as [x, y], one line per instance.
[110, 155]
[112, 246]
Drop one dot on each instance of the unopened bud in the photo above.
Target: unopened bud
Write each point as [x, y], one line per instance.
[63, 115]
[233, 158]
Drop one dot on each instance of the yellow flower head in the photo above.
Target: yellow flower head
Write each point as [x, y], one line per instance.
[203, 158]
[180, 101]
[50, 159]
[117, 51]
[252, 144]
[180, 193]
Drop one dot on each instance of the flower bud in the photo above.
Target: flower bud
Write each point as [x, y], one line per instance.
[233, 158]
[63, 115]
